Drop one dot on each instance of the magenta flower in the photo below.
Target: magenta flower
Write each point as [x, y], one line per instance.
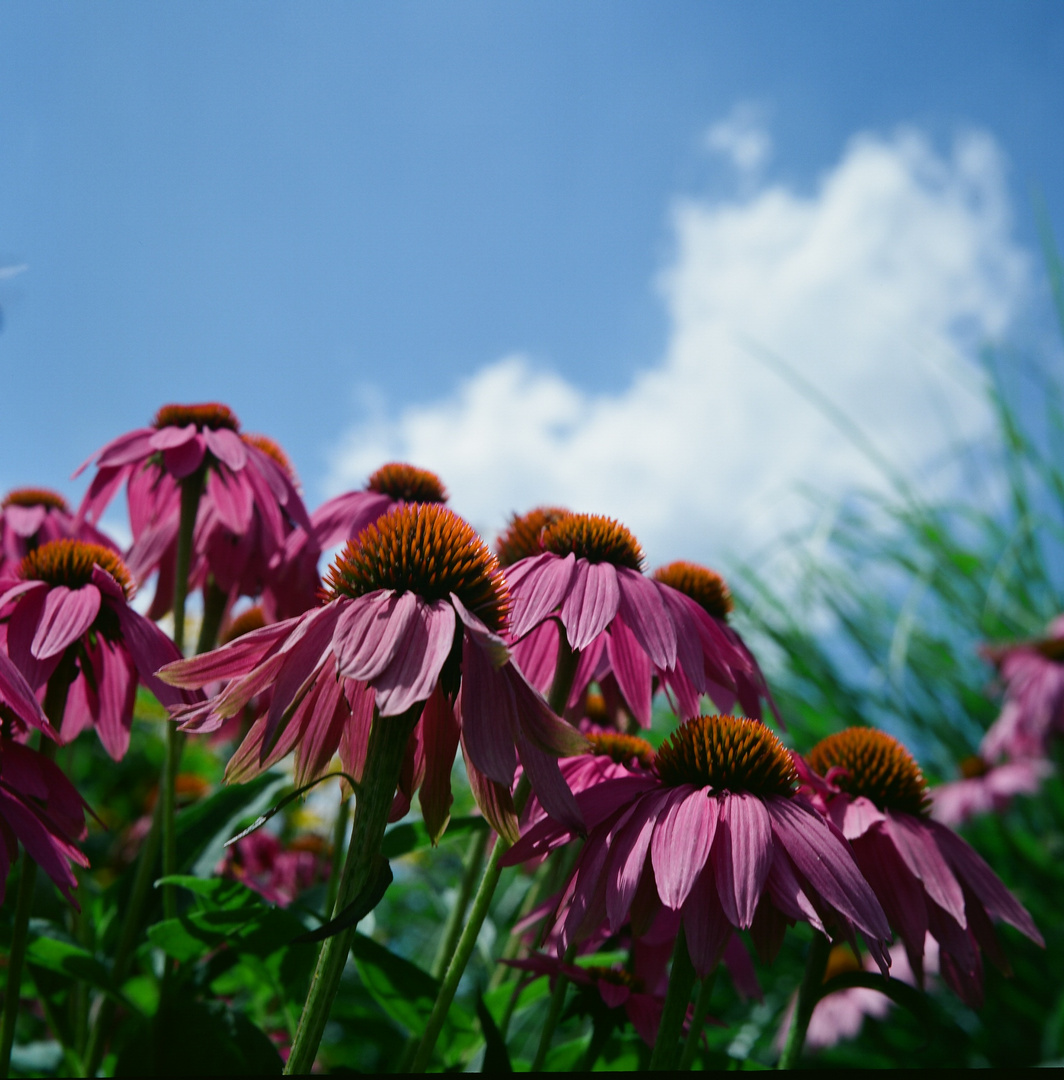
[30, 517]
[279, 873]
[69, 605]
[416, 605]
[1033, 710]
[925, 876]
[38, 804]
[716, 839]
[338, 520]
[248, 506]
[589, 578]
[984, 789]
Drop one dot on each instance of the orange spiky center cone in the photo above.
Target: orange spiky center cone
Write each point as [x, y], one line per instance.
[876, 766]
[702, 585]
[251, 619]
[426, 549]
[520, 539]
[35, 497]
[209, 414]
[593, 537]
[731, 753]
[70, 563]
[407, 483]
[622, 749]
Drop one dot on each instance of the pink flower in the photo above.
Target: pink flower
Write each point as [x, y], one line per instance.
[338, 520]
[248, 506]
[416, 604]
[716, 840]
[985, 788]
[589, 579]
[925, 876]
[276, 872]
[69, 605]
[30, 517]
[1033, 710]
[38, 805]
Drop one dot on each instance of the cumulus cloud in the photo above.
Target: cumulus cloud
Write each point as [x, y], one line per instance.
[875, 289]
[743, 138]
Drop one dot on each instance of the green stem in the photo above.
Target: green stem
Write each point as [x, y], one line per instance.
[214, 604]
[343, 816]
[557, 1000]
[19, 942]
[191, 488]
[681, 980]
[133, 917]
[474, 863]
[380, 777]
[698, 1021]
[808, 995]
[564, 673]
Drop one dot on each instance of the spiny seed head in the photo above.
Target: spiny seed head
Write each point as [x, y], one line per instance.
[251, 619]
[426, 549]
[211, 414]
[973, 767]
[271, 450]
[70, 563]
[595, 538]
[34, 497]
[595, 709]
[732, 753]
[877, 767]
[407, 483]
[621, 748]
[520, 539]
[703, 586]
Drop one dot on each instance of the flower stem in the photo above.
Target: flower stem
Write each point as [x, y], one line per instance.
[19, 942]
[191, 488]
[384, 760]
[808, 995]
[557, 1000]
[698, 1021]
[214, 602]
[681, 980]
[474, 863]
[343, 816]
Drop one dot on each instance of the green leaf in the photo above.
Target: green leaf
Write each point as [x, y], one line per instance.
[414, 836]
[402, 989]
[496, 1057]
[358, 909]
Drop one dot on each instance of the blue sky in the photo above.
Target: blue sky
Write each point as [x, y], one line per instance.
[359, 224]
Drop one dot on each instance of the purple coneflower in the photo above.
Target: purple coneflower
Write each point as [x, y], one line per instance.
[416, 604]
[70, 605]
[30, 517]
[716, 837]
[621, 623]
[984, 788]
[925, 876]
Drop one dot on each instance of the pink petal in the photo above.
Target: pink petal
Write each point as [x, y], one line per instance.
[171, 436]
[50, 852]
[132, 446]
[488, 715]
[742, 856]
[788, 893]
[150, 550]
[100, 492]
[414, 672]
[19, 589]
[591, 664]
[538, 589]
[643, 609]
[705, 925]
[344, 517]
[369, 632]
[591, 602]
[227, 447]
[183, 460]
[320, 736]
[631, 667]
[587, 909]
[21, 629]
[484, 638]
[549, 785]
[354, 743]
[914, 843]
[535, 720]
[16, 694]
[823, 858]
[682, 842]
[231, 500]
[441, 735]
[24, 521]
[67, 614]
[117, 685]
[495, 801]
[741, 969]
[628, 856]
[266, 499]
[536, 655]
[235, 659]
[987, 886]
[151, 650]
[854, 816]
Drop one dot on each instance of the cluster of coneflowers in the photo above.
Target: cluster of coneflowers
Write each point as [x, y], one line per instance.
[541, 662]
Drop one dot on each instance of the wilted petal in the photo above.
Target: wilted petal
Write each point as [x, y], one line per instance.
[494, 799]
[682, 842]
[742, 856]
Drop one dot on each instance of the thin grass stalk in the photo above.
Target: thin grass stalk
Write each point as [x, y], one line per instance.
[557, 1001]
[474, 864]
[384, 760]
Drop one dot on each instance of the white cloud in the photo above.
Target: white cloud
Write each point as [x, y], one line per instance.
[742, 138]
[876, 289]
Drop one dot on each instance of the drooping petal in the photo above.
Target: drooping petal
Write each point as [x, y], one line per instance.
[486, 639]
[917, 849]
[50, 852]
[117, 683]
[151, 650]
[441, 734]
[494, 799]
[226, 446]
[21, 631]
[537, 586]
[344, 517]
[824, 860]
[682, 842]
[66, 615]
[591, 602]
[536, 654]
[415, 670]
[742, 856]
[24, 521]
[132, 446]
[854, 816]
[320, 737]
[185, 458]
[16, 694]
[369, 630]
[488, 714]
[231, 500]
[631, 668]
[788, 894]
[230, 661]
[535, 719]
[549, 784]
[628, 856]
[705, 925]
[643, 609]
[741, 969]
